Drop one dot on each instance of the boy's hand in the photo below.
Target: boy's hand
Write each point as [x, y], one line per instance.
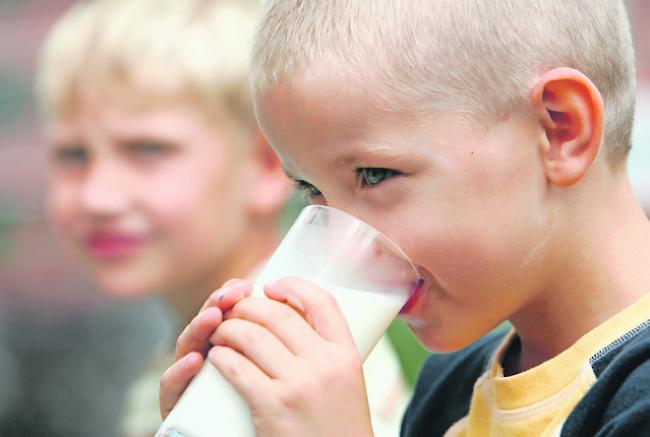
[193, 343]
[298, 369]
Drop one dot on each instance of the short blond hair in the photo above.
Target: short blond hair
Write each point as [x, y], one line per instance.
[143, 51]
[479, 57]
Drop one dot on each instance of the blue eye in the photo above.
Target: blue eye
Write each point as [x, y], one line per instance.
[307, 189]
[371, 177]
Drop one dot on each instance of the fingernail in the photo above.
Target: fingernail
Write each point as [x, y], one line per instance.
[291, 300]
[274, 288]
[272, 284]
[230, 282]
[228, 289]
[184, 362]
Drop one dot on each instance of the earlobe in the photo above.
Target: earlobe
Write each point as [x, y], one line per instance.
[570, 110]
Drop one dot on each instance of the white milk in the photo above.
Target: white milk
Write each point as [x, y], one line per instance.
[368, 314]
[210, 407]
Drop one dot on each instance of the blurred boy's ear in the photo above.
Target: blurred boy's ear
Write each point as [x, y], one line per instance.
[270, 187]
[570, 110]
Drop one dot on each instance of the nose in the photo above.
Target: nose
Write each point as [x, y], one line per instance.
[349, 204]
[362, 212]
[105, 190]
[349, 207]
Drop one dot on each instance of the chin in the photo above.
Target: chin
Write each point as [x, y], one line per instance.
[126, 288]
[441, 340]
[132, 279]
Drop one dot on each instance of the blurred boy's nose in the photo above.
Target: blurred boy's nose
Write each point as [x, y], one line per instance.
[105, 191]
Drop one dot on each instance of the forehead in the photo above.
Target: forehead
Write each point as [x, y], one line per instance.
[309, 105]
[178, 117]
[118, 118]
[325, 116]
[315, 122]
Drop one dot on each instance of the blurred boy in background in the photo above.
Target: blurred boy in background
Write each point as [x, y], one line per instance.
[160, 180]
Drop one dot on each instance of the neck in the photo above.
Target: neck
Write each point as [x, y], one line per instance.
[598, 270]
[257, 245]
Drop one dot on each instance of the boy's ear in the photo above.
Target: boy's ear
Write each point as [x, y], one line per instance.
[570, 110]
[270, 188]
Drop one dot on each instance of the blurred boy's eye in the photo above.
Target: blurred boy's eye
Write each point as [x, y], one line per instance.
[307, 189]
[71, 155]
[148, 149]
[371, 177]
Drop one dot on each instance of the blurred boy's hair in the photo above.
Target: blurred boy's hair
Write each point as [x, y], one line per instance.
[146, 52]
[478, 58]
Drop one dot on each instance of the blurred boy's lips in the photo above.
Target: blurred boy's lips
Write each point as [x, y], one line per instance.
[112, 245]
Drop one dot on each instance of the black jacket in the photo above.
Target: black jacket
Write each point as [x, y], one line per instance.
[618, 404]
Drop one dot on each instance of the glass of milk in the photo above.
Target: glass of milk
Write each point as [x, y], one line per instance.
[368, 275]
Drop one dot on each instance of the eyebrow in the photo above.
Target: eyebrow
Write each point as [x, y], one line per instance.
[358, 157]
[378, 152]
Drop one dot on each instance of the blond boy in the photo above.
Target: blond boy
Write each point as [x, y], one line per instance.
[489, 140]
[160, 180]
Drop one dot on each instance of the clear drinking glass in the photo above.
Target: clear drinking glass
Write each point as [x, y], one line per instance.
[368, 275]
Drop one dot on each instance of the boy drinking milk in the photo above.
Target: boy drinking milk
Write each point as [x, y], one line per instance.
[489, 140]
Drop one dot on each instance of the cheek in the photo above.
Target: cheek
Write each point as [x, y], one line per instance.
[62, 208]
[199, 211]
[174, 201]
[488, 248]
[501, 207]
[176, 191]
[477, 226]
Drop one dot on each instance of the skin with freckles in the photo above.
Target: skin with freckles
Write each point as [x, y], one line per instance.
[518, 218]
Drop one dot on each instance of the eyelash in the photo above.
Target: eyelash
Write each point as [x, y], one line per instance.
[306, 189]
[362, 177]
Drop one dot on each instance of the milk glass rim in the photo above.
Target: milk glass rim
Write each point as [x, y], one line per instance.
[378, 233]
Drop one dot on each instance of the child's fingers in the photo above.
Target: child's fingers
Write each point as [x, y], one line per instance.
[287, 324]
[196, 336]
[175, 380]
[249, 381]
[255, 342]
[319, 307]
[229, 294]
